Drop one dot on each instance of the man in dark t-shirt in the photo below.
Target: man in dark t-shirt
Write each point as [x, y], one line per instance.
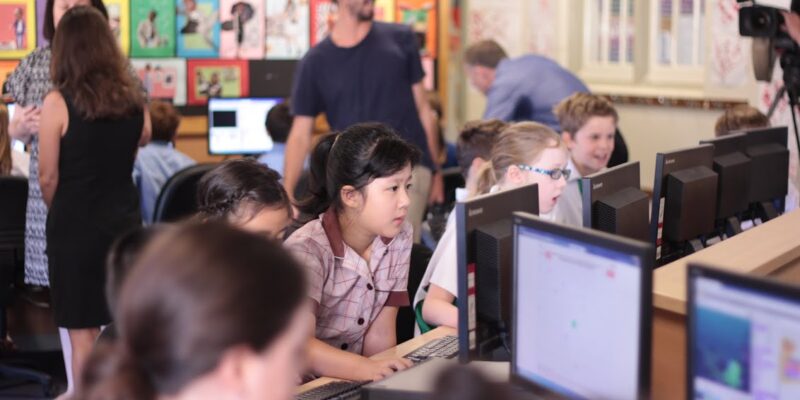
[365, 71]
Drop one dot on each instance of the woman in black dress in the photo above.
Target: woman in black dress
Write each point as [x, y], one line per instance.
[92, 123]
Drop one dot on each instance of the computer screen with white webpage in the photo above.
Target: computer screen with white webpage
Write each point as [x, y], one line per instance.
[237, 126]
[15, 144]
[578, 307]
[743, 337]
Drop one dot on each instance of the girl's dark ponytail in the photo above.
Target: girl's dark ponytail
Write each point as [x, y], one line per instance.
[113, 373]
[318, 197]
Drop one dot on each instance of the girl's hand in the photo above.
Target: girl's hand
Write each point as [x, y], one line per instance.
[375, 370]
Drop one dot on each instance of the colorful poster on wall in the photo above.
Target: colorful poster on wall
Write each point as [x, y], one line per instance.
[152, 28]
[119, 18]
[242, 24]
[6, 68]
[384, 10]
[323, 16]
[40, 7]
[198, 28]
[287, 29]
[216, 78]
[17, 28]
[164, 78]
[421, 16]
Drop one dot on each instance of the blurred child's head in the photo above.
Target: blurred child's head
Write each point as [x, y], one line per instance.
[475, 148]
[588, 126]
[246, 194]
[279, 122]
[526, 153]
[164, 119]
[740, 117]
[206, 310]
[365, 173]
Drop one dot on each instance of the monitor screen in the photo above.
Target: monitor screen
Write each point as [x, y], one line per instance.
[237, 126]
[743, 337]
[580, 312]
[15, 144]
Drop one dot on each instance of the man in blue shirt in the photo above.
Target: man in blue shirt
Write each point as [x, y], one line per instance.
[525, 88]
[158, 161]
[278, 123]
[365, 71]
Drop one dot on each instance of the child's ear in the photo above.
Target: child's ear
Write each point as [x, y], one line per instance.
[515, 176]
[568, 138]
[351, 197]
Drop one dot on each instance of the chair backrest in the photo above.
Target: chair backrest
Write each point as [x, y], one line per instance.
[178, 197]
[406, 318]
[14, 195]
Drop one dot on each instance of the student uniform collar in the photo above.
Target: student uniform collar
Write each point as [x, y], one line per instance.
[330, 224]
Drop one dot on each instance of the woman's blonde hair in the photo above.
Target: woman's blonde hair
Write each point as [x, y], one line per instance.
[5, 142]
[519, 143]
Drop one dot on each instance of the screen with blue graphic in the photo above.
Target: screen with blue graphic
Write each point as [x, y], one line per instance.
[745, 343]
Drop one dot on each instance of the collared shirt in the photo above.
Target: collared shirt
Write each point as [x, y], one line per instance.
[349, 292]
[569, 209]
[527, 88]
[155, 164]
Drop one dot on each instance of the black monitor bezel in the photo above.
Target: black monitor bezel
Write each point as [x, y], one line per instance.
[645, 252]
[749, 282]
[462, 300]
[277, 100]
[722, 144]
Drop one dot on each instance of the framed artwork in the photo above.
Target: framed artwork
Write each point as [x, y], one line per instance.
[323, 16]
[421, 16]
[152, 28]
[17, 28]
[41, 5]
[198, 28]
[119, 18]
[287, 30]
[216, 78]
[164, 78]
[242, 29]
[384, 10]
[6, 68]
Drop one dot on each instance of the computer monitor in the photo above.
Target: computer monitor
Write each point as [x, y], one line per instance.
[732, 166]
[237, 126]
[684, 202]
[582, 311]
[613, 202]
[769, 170]
[15, 144]
[484, 244]
[743, 336]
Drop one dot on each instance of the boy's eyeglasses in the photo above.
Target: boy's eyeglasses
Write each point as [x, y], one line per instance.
[555, 173]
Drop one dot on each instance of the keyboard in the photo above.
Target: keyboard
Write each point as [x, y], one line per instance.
[443, 347]
[337, 390]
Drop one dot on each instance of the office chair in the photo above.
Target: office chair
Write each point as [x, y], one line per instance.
[406, 318]
[620, 154]
[14, 192]
[178, 197]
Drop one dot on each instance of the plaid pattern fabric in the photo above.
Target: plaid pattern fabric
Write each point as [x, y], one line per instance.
[349, 293]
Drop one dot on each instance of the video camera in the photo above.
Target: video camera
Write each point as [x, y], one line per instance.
[763, 21]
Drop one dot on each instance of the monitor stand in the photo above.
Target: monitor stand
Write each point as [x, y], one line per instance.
[693, 246]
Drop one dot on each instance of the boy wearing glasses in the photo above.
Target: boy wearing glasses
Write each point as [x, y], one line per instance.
[588, 125]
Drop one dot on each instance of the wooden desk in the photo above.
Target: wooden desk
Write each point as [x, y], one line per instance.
[395, 352]
[770, 249]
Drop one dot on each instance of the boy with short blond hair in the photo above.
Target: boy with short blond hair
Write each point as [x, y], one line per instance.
[588, 126]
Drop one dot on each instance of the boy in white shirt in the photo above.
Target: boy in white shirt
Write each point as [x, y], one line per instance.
[588, 126]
